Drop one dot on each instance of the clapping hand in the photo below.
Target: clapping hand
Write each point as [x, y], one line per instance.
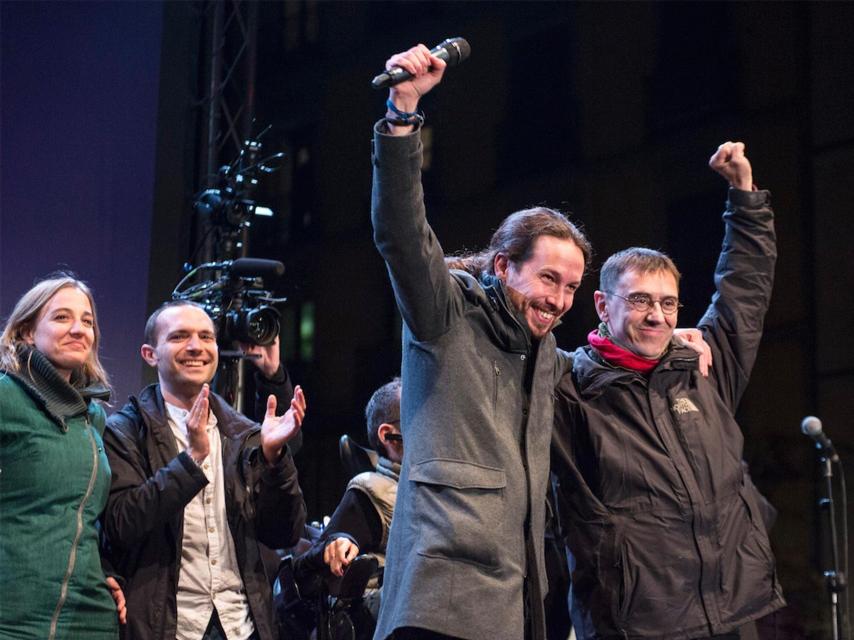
[198, 444]
[276, 431]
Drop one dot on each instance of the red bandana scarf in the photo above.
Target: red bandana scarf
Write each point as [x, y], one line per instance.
[618, 355]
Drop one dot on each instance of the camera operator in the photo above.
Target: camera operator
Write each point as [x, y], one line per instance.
[195, 488]
[270, 378]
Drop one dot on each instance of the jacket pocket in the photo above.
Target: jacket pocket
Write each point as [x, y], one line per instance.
[760, 532]
[242, 489]
[747, 575]
[653, 570]
[625, 576]
[459, 508]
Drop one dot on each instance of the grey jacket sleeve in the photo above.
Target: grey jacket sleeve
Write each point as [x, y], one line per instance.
[563, 365]
[415, 260]
[744, 278]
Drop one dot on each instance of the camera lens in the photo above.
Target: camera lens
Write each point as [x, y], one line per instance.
[259, 326]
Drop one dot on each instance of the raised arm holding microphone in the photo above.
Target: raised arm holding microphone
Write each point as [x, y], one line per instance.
[465, 553]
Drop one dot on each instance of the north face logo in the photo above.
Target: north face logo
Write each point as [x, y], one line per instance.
[684, 405]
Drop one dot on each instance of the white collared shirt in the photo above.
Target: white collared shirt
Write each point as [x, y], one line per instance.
[209, 575]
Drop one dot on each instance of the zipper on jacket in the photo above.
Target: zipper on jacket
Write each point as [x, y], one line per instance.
[72, 556]
[530, 360]
[495, 384]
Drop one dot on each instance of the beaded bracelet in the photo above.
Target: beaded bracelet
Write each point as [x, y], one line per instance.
[404, 118]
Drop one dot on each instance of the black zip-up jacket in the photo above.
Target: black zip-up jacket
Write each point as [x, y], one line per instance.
[663, 527]
[151, 485]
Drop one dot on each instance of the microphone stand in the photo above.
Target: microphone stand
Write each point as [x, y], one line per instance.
[834, 577]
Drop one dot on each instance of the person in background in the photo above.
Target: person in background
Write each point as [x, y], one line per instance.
[361, 521]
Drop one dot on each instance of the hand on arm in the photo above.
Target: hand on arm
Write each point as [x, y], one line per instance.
[119, 598]
[693, 339]
[338, 554]
[426, 70]
[198, 444]
[731, 163]
[276, 431]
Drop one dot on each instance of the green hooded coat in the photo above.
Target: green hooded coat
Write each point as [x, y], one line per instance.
[54, 481]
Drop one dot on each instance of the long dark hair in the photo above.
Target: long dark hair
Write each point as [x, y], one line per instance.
[515, 239]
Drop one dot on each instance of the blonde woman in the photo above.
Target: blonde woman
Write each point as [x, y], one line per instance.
[54, 476]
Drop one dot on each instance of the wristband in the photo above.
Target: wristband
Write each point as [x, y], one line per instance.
[418, 120]
[403, 115]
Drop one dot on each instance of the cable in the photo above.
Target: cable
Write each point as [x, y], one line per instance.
[844, 494]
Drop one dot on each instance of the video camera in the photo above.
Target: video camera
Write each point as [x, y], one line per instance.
[232, 290]
[226, 205]
[234, 298]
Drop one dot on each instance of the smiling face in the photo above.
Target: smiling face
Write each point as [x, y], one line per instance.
[185, 355]
[645, 333]
[65, 330]
[543, 287]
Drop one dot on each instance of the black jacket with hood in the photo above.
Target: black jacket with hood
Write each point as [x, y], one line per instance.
[663, 525]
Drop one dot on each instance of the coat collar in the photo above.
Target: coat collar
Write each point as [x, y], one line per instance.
[593, 374]
[152, 406]
[516, 332]
[386, 467]
[54, 394]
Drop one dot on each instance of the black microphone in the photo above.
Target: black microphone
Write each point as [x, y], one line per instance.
[453, 51]
[254, 268]
[811, 426]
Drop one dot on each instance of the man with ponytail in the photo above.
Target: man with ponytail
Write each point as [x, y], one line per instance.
[465, 552]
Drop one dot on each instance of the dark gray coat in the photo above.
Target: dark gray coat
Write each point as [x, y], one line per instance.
[476, 415]
[663, 527]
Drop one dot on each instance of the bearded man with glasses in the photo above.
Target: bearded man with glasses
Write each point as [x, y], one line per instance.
[662, 524]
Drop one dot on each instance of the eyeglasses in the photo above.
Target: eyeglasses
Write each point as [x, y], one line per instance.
[643, 302]
[394, 437]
